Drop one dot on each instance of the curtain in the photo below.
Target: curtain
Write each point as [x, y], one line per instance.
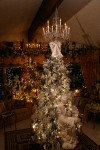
[90, 67]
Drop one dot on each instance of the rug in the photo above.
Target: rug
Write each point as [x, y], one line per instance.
[21, 140]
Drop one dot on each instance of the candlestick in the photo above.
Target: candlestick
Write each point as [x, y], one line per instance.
[52, 28]
[43, 31]
[48, 26]
[48, 23]
[68, 30]
[60, 22]
[65, 26]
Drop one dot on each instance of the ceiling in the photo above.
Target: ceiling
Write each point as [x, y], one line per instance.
[16, 17]
[24, 19]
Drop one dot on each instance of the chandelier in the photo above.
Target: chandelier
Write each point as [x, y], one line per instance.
[57, 31]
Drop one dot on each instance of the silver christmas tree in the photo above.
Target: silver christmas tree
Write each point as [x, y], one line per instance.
[56, 120]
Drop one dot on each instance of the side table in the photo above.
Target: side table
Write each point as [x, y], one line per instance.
[7, 116]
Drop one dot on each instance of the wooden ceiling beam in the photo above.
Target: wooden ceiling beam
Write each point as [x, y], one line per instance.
[46, 9]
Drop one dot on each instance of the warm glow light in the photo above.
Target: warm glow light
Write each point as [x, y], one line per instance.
[76, 91]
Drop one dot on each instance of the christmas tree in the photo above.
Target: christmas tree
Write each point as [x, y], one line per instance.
[55, 121]
[28, 87]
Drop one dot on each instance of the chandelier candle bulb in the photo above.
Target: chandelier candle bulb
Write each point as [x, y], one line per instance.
[48, 26]
[65, 26]
[43, 31]
[48, 23]
[69, 30]
[60, 22]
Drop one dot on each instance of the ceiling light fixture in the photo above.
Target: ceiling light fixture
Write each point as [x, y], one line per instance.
[57, 31]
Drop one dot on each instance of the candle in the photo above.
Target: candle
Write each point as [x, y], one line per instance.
[48, 29]
[43, 31]
[68, 30]
[27, 45]
[48, 25]
[60, 22]
[65, 26]
[52, 28]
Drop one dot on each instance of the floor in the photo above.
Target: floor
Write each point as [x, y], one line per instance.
[92, 133]
[87, 128]
[20, 125]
